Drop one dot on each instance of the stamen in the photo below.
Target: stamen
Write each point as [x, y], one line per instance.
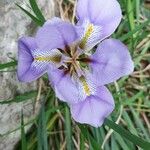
[88, 33]
[67, 50]
[85, 86]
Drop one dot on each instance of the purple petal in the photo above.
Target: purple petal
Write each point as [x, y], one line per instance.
[82, 9]
[55, 34]
[89, 34]
[53, 21]
[111, 61]
[64, 87]
[69, 89]
[94, 109]
[26, 71]
[103, 13]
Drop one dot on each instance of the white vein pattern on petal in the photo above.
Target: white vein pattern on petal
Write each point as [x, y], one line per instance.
[48, 53]
[82, 92]
[94, 37]
[41, 65]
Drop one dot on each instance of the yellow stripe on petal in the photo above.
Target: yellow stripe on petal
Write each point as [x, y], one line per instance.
[85, 86]
[88, 33]
[55, 59]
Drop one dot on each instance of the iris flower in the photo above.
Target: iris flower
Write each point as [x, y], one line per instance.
[76, 72]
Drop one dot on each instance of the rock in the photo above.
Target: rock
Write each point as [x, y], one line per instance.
[14, 24]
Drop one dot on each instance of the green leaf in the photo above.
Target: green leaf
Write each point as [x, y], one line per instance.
[103, 134]
[93, 143]
[8, 65]
[68, 129]
[114, 144]
[42, 132]
[20, 98]
[121, 141]
[137, 28]
[137, 4]
[132, 138]
[139, 123]
[133, 99]
[130, 14]
[36, 20]
[128, 120]
[23, 136]
[98, 136]
[82, 141]
[36, 10]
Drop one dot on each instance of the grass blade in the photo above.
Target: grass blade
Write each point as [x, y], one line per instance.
[68, 129]
[98, 136]
[133, 99]
[36, 10]
[103, 134]
[20, 98]
[23, 136]
[129, 122]
[8, 65]
[137, 3]
[114, 144]
[136, 29]
[82, 141]
[42, 132]
[130, 14]
[139, 123]
[92, 142]
[132, 138]
[36, 20]
[121, 141]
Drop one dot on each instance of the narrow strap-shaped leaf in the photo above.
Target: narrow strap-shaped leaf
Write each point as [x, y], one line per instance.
[136, 29]
[20, 98]
[36, 10]
[129, 136]
[68, 129]
[84, 131]
[8, 65]
[42, 131]
[23, 136]
[130, 14]
[82, 142]
[139, 123]
[121, 141]
[36, 20]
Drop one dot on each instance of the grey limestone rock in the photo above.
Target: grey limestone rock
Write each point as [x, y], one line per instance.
[14, 24]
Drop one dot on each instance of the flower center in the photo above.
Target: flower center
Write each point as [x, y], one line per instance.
[75, 62]
[71, 60]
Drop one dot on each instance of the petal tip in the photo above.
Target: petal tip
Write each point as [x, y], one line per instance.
[94, 109]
